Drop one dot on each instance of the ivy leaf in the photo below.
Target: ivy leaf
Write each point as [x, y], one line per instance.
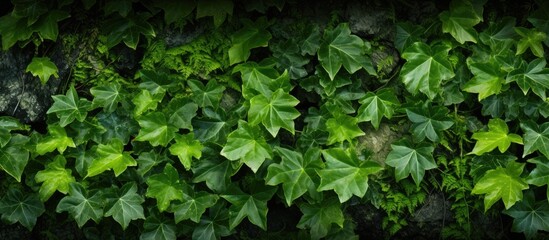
[89, 129]
[165, 187]
[376, 105]
[127, 29]
[408, 159]
[502, 183]
[111, 156]
[429, 121]
[275, 112]
[530, 38]
[248, 145]
[56, 139]
[536, 137]
[461, 19]
[147, 160]
[157, 228]
[185, 148]
[540, 175]
[252, 35]
[253, 206]
[342, 128]
[496, 136]
[206, 96]
[532, 76]
[31, 10]
[145, 101]
[487, 80]
[124, 204]
[425, 68]
[261, 77]
[215, 171]
[193, 205]
[296, 172]
[47, 24]
[529, 216]
[107, 96]
[485, 162]
[155, 129]
[14, 156]
[213, 126]
[118, 124]
[341, 48]
[54, 177]
[407, 34]
[218, 9]
[175, 11]
[288, 57]
[311, 44]
[500, 34]
[319, 217]
[81, 204]
[123, 7]
[181, 113]
[345, 173]
[213, 226]
[69, 107]
[25, 208]
[43, 68]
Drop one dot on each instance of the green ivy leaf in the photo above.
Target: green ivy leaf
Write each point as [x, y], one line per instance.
[215, 171]
[248, 145]
[529, 216]
[497, 136]
[118, 124]
[275, 112]
[193, 205]
[165, 187]
[261, 77]
[175, 11]
[56, 139]
[408, 159]
[218, 9]
[288, 57]
[127, 29]
[429, 121]
[31, 10]
[489, 161]
[253, 206]
[43, 68]
[407, 34]
[530, 38]
[425, 68]
[213, 226]
[345, 173]
[536, 137]
[502, 183]
[122, 7]
[13, 29]
[206, 96]
[155, 129]
[342, 128]
[376, 105]
[319, 217]
[311, 44]
[124, 204]
[296, 172]
[341, 48]
[107, 96]
[111, 156]
[461, 19]
[500, 34]
[487, 80]
[147, 160]
[540, 175]
[47, 27]
[14, 156]
[54, 178]
[156, 228]
[69, 107]
[81, 204]
[532, 76]
[181, 113]
[213, 126]
[185, 148]
[25, 208]
[145, 101]
[89, 129]
[252, 35]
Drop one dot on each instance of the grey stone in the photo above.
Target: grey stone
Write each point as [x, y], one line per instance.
[370, 19]
[435, 208]
[378, 142]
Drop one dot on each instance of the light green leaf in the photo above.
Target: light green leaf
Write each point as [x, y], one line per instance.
[252, 35]
[54, 178]
[206, 96]
[193, 205]
[532, 76]
[487, 80]
[376, 105]
[408, 159]
[531, 38]
[56, 139]
[218, 9]
[25, 208]
[425, 68]
[262, 78]
[185, 148]
[296, 172]
[107, 96]
[145, 101]
[155, 129]
[429, 121]
[536, 137]
[319, 217]
[165, 187]
[496, 136]
[181, 113]
[253, 206]
[43, 68]
[124, 205]
[529, 216]
[345, 173]
[14, 156]
[248, 145]
[111, 156]
[502, 183]
[275, 112]
[461, 18]
[81, 204]
[341, 48]
[342, 128]
[69, 107]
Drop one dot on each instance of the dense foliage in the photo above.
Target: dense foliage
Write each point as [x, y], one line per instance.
[250, 113]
